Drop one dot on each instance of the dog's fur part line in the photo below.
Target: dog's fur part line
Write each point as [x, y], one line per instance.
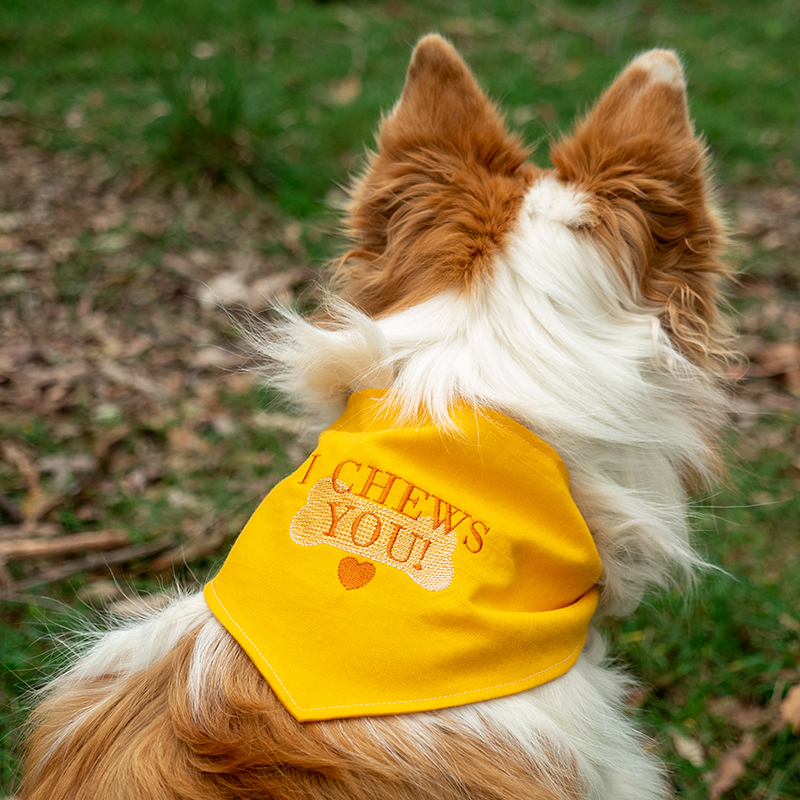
[580, 302]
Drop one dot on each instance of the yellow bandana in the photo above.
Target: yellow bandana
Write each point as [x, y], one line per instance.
[403, 568]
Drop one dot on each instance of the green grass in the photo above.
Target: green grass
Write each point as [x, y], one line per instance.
[238, 119]
[738, 638]
[262, 99]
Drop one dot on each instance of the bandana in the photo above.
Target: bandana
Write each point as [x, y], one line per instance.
[407, 568]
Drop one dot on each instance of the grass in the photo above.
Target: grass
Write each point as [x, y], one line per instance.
[288, 93]
[188, 137]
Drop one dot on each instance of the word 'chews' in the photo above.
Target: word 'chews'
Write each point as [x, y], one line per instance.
[402, 568]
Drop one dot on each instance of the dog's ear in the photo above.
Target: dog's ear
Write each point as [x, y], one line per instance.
[637, 156]
[440, 194]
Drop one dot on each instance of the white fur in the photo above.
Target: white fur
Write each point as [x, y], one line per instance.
[557, 340]
[663, 67]
[558, 202]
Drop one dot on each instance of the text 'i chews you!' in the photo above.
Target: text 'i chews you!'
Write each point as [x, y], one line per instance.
[383, 517]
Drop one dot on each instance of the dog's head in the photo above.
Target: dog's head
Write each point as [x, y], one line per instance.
[580, 300]
[449, 188]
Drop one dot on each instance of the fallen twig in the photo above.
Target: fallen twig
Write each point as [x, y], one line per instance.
[33, 600]
[93, 561]
[30, 530]
[93, 540]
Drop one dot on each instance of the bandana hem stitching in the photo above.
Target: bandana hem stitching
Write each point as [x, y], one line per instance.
[385, 702]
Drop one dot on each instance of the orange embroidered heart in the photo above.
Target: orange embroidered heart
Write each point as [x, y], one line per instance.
[354, 574]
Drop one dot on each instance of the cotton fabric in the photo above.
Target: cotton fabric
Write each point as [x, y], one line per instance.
[406, 568]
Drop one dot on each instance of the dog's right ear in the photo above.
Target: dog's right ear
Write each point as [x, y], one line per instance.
[440, 194]
[637, 156]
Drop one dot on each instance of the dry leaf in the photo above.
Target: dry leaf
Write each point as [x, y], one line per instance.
[74, 118]
[17, 456]
[180, 499]
[34, 504]
[739, 714]
[107, 220]
[6, 579]
[10, 221]
[180, 264]
[204, 50]
[772, 240]
[785, 619]
[777, 359]
[105, 442]
[8, 243]
[184, 439]
[732, 766]
[345, 91]
[224, 425]
[216, 357]
[240, 382]
[790, 708]
[266, 290]
[690, 749]
[136, 481]
[636, 697]
[16, 355]
[774, 358]
[127, 377]
[227, 289]
[64, 465]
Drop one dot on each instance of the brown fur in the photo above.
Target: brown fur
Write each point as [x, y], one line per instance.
[146, 741]
[440, 195]
[637, 156]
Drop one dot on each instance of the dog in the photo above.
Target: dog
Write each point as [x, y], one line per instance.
[516, 385]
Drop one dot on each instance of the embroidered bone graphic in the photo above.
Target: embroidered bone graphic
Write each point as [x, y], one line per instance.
[339, 518]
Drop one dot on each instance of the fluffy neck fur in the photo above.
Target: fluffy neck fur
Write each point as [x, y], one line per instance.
[553, 339]
[581, 301]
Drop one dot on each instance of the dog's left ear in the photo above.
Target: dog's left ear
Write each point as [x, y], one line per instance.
[440, 194]
[638, 158]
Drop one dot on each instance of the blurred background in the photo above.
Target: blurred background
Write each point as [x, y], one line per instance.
[169, 167]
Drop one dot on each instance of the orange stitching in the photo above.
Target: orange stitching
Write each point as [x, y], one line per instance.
[417, 547]
[352, 568]
[354, 574]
